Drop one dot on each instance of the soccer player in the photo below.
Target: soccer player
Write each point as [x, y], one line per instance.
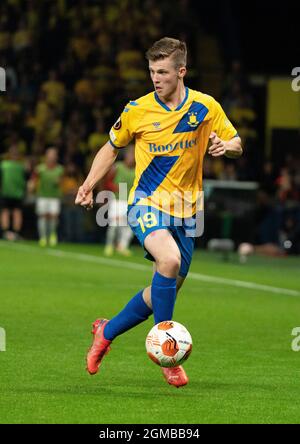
[12, 189]
[47, 180]
[172, 127]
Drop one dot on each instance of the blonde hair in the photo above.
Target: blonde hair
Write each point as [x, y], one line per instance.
[167, 47]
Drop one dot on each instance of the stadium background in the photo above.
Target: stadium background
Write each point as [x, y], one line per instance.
[72, 66]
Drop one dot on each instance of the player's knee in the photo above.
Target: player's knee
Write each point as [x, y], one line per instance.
[169, 263]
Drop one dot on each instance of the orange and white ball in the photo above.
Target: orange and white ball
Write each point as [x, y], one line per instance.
[168, 344]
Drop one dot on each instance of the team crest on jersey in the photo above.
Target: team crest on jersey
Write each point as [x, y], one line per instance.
[118, 124]
[157, 126]
[192, 119]
[193, 122]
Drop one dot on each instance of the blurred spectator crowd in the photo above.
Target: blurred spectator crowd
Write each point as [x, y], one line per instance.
[71, 66]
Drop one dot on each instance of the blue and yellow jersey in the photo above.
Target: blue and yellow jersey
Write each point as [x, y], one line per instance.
[170, 147]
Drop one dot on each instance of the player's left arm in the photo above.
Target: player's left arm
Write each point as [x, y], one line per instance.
[33, 180]
[224, 138]
[230, 148]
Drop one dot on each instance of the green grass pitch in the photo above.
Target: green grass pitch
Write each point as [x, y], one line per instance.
[242, 368]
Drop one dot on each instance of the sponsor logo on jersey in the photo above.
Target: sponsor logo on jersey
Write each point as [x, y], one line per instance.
[183, 144]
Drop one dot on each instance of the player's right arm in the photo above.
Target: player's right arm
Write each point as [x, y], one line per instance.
[120, 135]
[101, 165]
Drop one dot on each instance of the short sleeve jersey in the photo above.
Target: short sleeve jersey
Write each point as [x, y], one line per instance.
[169, 147]
[13, 181]
[49, 181]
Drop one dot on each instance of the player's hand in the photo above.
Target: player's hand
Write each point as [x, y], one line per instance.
[30, 186]
[218, 146]
[84, 198]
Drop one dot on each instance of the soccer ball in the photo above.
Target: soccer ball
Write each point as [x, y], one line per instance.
[168, 344]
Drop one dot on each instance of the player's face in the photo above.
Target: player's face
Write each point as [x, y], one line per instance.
[51, 156]
[165, 76]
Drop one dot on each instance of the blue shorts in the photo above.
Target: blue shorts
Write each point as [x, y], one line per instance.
[144, 219]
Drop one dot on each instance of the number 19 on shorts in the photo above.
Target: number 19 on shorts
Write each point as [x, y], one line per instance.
[148, 220]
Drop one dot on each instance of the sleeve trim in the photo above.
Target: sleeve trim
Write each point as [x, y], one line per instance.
[115, 146]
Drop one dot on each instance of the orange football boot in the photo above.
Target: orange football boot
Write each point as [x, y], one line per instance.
[175, 376]
[99, 347]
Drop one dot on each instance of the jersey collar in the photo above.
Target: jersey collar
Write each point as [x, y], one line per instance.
[178, 107]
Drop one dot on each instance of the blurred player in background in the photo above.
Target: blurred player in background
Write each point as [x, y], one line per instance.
[46, 180]
[172, 127]
[12, 189]
[71, 217]
[118, 232]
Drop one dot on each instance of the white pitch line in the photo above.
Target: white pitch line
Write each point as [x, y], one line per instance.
[77, 256]
[135, 266]
[243, 284]
[99, 260]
